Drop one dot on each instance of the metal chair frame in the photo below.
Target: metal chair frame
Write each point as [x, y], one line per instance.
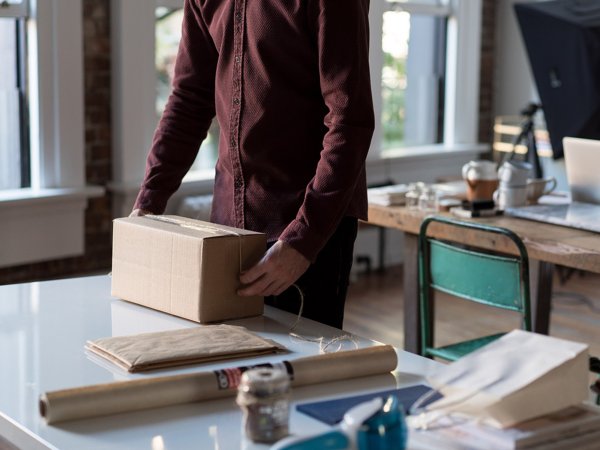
[461, 288]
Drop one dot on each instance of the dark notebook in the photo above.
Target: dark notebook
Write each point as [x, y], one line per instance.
[332, 411]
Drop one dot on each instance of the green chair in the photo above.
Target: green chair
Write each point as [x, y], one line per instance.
[495, 279]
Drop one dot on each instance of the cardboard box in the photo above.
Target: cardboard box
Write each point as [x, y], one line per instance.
[184, 267]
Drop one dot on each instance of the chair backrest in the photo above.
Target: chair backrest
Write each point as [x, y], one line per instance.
[483, 276]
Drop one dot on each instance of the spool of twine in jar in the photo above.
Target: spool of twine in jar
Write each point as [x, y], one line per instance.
[264, 395]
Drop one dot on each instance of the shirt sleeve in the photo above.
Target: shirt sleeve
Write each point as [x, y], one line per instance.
[341, 33]
[187, 116]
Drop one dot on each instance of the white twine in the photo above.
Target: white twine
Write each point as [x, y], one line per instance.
[324, 343]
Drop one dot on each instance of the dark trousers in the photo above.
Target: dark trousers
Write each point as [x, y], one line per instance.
[325, 283]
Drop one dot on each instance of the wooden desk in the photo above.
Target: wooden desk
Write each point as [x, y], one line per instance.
[546, 244]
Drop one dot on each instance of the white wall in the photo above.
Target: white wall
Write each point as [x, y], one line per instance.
[514, 86]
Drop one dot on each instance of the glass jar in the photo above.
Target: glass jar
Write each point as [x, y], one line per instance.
[428, 200]
[264, 396]
[413, 194]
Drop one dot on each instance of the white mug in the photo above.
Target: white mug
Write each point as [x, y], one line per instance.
[508, 197]
[514, 173]
[537, 187]
[479, 170]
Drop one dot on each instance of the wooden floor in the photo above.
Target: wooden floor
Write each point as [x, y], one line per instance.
[374, 310]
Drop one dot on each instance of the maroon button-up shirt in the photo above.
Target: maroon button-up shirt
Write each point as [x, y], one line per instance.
[289, 83]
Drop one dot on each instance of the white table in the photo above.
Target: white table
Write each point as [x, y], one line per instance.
[43, 329]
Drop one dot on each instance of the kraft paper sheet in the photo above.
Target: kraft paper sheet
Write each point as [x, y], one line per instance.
[149, 351]
[135, 395]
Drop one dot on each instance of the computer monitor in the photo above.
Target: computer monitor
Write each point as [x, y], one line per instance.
[582, 161]
[562, 38]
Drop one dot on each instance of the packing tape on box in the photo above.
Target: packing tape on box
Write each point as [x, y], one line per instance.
[198, 227]
[135, 395]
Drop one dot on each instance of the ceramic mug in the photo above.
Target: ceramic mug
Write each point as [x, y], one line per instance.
[508, 197]
[537, 187]
[514, 173]
[481, 178]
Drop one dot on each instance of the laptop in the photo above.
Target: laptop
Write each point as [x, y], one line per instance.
[582, 160]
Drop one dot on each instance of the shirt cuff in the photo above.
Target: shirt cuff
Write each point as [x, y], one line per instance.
[298, 236]
[152, 200]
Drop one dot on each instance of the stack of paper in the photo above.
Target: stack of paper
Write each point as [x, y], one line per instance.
[388, 195]
[576, 427]
[395, 194]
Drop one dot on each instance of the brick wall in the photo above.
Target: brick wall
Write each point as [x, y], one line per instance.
[96, 39]
[98, 141]
[486, 82]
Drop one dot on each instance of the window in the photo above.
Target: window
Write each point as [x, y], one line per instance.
[42, 43]
[14, 146]
[167, 37]
[412, 79]
[41, 95]
[425, 72]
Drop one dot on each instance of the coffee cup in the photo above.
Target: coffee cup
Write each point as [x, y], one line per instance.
[537, 187]
[514, 173]
[481, 178]
[508, 197]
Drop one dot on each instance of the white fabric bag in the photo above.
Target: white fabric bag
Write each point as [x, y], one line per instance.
[520, 376]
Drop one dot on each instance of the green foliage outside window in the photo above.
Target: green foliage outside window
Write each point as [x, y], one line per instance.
[393, 93]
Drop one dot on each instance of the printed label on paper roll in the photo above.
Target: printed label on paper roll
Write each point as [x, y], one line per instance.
[230, 378]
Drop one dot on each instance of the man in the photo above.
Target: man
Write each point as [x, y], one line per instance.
[289, 84]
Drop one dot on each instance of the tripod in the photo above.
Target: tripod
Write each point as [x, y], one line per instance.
[527, 135]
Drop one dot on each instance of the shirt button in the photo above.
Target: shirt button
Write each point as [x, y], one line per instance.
[238, 59]
[236, 101]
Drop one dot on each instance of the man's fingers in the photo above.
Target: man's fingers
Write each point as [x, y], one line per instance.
[275, 272]
[139, 212]
[254, 273]
[259, 287]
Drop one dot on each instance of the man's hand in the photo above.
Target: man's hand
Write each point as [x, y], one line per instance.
[281, 266]
[138, 212]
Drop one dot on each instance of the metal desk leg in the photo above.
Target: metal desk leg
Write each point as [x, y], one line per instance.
[541, 296]
[412, 315]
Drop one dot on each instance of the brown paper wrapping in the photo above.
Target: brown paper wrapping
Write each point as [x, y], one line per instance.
[158, 350]
[135, 395]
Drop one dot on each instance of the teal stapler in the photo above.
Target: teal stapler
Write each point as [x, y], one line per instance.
[372, 425]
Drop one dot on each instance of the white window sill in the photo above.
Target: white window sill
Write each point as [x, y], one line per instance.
[427, 152]
[393, 164]
[32, 197]
[194, 183]
[43, 224]
[427, 163]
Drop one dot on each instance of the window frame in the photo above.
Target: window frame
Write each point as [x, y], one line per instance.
[46, 221]
[20, 13]
[461, 93]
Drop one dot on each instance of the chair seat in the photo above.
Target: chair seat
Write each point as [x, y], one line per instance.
[453, 352]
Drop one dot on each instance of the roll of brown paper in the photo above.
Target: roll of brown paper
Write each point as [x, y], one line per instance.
[135, 395]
